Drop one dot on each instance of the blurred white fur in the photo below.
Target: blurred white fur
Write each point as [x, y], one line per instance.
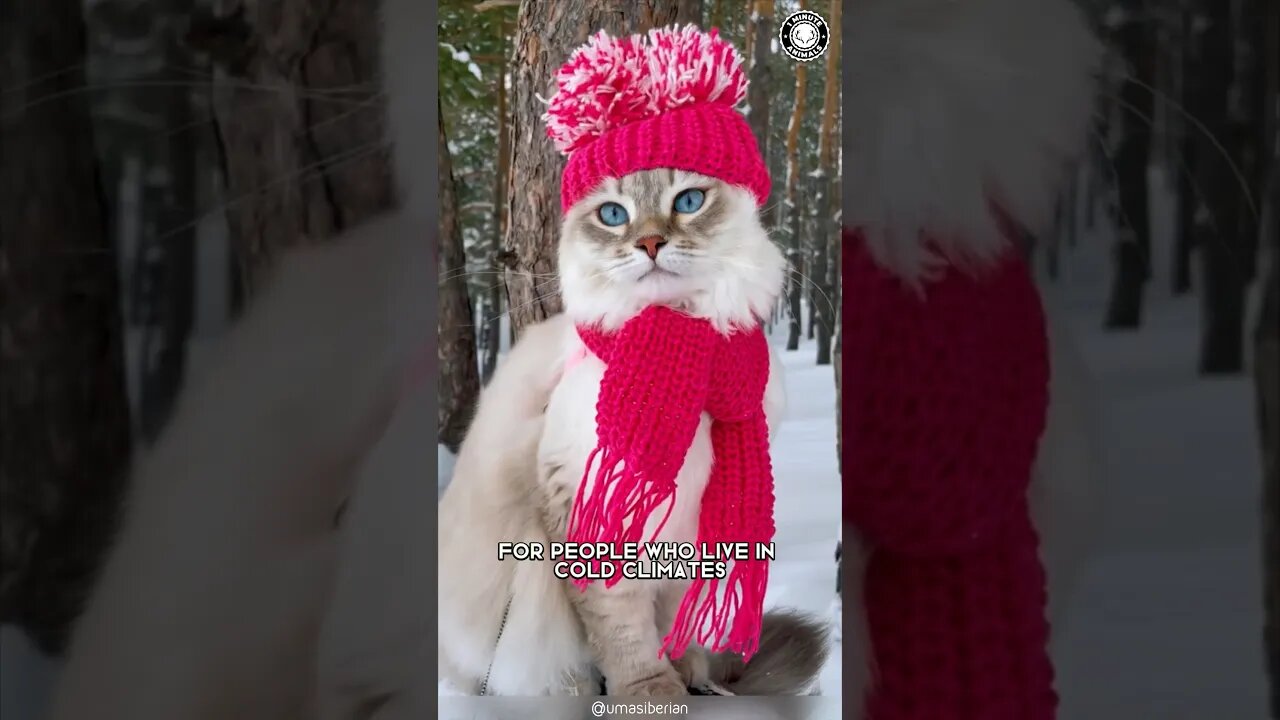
[955, 102]
[210, 602]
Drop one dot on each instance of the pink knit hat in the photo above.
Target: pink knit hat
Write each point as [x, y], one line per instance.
[668, 99]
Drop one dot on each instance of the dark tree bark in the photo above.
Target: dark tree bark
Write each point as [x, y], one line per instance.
[1133, 247]
[459, 382]
[717, 14]
[826, 258]
[546, 32]
[1184, 241]
[1266, 365]
[1223, 236]
[166, 266]
[760, 39]
[64, 414]
[301, 128]
[795, 248]
[1185, 195]
[689, 11]
[493, 304]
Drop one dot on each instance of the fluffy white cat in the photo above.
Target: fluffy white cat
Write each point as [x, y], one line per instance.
[718, 263]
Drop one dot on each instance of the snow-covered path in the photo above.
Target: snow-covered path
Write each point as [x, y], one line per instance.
[1167, 620]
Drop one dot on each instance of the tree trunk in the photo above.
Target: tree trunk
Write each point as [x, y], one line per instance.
[546, 32]
[760, 34]
[717, 14]
[304, 150]
[64, 412]
[1184, 241]
[493, 323]
[167, 265]
[827, 259]
[1219, 237]
[1133, 247]
[1266, 366]
[1266, 360]
[1187, 200]
[688, 11]
[459, 382]
[795, 248]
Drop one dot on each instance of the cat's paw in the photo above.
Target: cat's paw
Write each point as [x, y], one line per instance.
[665, 683]
[694, 666]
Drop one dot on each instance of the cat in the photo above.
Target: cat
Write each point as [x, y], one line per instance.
[512, 628]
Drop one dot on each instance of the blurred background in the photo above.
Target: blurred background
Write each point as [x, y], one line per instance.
[155, 159]
[1163, 266]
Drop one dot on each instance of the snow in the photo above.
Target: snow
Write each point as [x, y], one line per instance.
[445, 460]
[807, 486]
[1167, 619]
[26, 677]
[463, 57]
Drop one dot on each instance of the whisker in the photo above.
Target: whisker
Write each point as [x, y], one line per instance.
[1235, 169]
[43, 78]
[521, 306]
[311, 94]
[303, 174]
[456, 272]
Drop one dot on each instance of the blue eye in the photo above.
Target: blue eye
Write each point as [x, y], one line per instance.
[613, 214]
[690, 200]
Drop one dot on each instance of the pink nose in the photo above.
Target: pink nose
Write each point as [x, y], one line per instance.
[651, 244]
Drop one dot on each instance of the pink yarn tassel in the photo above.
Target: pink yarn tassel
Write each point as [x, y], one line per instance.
[618, 507]
[708, 617]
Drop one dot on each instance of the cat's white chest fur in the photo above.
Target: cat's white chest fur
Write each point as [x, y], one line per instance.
[570, 437]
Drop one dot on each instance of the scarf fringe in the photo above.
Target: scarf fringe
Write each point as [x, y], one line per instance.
[618, 508]
[742, 603]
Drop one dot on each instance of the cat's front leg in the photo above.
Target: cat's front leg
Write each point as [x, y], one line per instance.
[623, 636]
[694, 665]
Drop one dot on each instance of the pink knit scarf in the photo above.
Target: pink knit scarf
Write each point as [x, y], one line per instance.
[663, 370]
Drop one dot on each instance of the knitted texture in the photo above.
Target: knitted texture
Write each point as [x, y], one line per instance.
[945, 398]
[663, 370]
[667, 99]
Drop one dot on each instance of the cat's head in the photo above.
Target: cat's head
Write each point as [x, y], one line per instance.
[672, 238]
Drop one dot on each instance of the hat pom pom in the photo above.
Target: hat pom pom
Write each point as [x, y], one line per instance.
[609, 82]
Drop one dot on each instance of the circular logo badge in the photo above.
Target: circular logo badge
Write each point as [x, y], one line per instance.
[804, 35]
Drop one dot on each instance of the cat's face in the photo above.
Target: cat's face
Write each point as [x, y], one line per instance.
[668, 237]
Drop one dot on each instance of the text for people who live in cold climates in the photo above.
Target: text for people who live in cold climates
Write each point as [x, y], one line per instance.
[644, 561]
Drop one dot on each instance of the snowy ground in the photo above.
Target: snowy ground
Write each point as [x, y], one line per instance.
[808, 495]
[1167, 622]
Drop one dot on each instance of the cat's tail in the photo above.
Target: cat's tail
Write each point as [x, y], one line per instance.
[793, 649]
